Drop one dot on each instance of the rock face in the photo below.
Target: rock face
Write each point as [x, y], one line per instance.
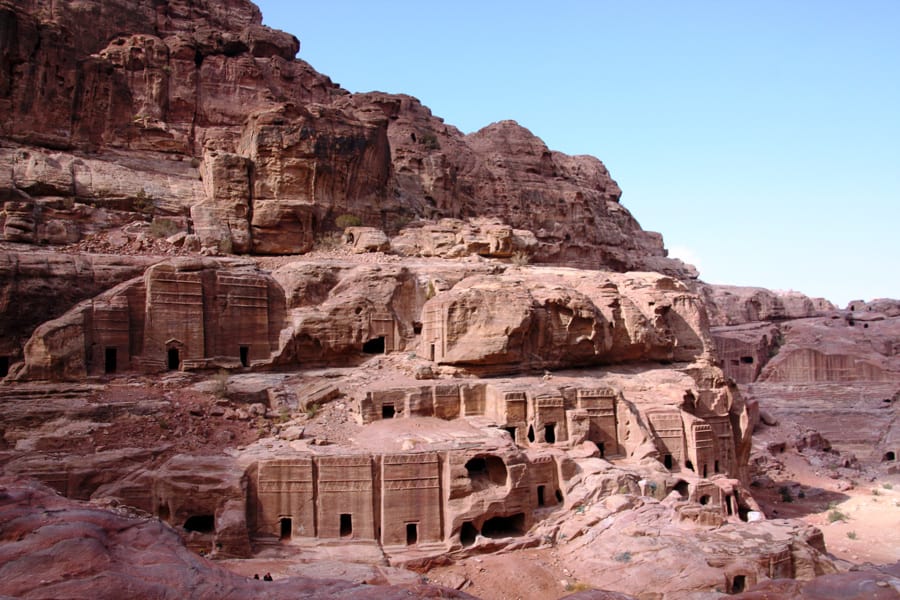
[191, 94]
[480, 351]
[80, 550]
[837, 371]
[185, 313]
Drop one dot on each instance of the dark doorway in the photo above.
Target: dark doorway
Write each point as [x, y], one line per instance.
[287, 528]
[682, 488]
[550, 433]
[705, 469]
[889, 456]
[4, 366]
[432, 352]
[667, 461]
[689, 465]
[559, 496]
[173, 359]
[417, 327]
[374, 346]
[738, 584]
[704, 500]
[512, 432]
[499, 527]
[540, 495]
[110, 360]
[201, 523]
[728, 506]
[245, 356]
[467, 534]
[716, 468]
[163, 512]
[387, 411]
[412, 534]
[346, 525]
[531, 433]
[602, 448]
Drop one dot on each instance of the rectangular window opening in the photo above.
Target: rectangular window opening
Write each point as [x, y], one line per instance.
[550, 433]
[286, 528]
[346, 525]
[110, 360]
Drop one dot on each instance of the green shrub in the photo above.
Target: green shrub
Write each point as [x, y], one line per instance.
[312, 410]
[143, 203]
[430, 141]
[785, 492]
[887, 486]
[835, 515]
[851, 535]
[345, 221]
[622, 557]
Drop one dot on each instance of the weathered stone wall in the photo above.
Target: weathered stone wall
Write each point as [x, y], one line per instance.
[186, 313]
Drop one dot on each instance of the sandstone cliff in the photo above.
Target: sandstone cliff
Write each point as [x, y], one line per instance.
[130, 122]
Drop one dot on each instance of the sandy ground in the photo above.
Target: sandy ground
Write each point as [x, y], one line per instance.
[870, 528]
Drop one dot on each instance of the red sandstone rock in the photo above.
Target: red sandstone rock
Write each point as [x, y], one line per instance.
[51, 547]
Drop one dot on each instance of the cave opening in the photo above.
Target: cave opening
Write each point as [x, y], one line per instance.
[738, 584]
[467, 534]
[200, 523]
[374, 346]
[486, 469]
[667, 461]
[889, 456]
[500, 527]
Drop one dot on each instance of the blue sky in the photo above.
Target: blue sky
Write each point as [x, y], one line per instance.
[762, 138]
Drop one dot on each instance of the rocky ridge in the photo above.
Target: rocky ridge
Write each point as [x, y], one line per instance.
[436, 347]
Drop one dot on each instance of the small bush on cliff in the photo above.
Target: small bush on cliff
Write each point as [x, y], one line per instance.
[429, 141]
[143, 203]
[347, 220]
